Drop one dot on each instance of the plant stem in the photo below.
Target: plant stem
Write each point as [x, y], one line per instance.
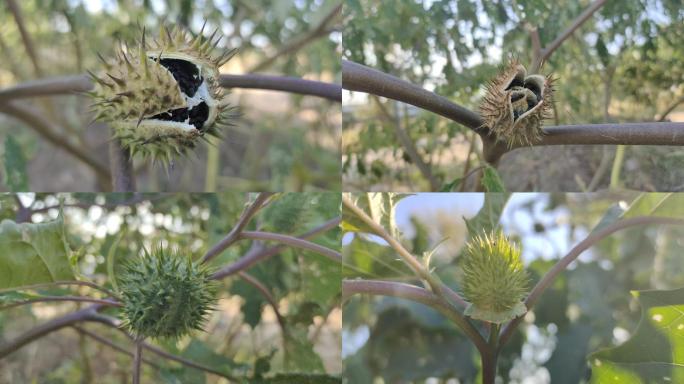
[257, 254]
[420, 295]
[617, 167]
[75, 84]
[234, 234]
[293, 242]
[137, 360]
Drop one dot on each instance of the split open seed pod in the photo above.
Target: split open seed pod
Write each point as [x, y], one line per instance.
[163, 97]
[515, 105]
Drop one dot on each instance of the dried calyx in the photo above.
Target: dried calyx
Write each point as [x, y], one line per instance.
[164, 96]
[515, 105]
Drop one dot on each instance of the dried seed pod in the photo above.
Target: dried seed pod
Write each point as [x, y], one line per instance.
[515, 105]
[165, 294]
[163, 98]
[494, 280]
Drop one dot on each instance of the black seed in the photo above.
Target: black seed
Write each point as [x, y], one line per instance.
[178, 114]
[517, 96]
[185, 73]
[534, 88]
[199, 114]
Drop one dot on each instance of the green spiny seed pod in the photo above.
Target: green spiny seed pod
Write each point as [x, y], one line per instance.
[164, 96]
[165, 294]
[515, 105]
[494, 280]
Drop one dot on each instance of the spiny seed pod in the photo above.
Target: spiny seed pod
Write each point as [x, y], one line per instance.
[165, 294]
[494, 281]
[163, 98]
[515, 105]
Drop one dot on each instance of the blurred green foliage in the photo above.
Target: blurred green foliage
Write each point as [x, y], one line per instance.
[587, 308]
[242, 337]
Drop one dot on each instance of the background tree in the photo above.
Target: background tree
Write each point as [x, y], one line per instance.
[612, 68]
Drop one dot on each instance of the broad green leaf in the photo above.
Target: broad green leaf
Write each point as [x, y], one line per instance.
[379, 206]
[655, 352]
[16, 177]
[488, 217]
[33, 253]
[657, 204]
[300, 355]
[491, 181]
[321, 278]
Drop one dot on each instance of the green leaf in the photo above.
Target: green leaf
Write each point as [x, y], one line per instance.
[450, 186]
[655, 352]
[657, 204]
[488, 217]
[33, 253]
[491, 181]
[16, 177]
[300, 355]
[365, 258]
[379, 206]
[299, 378]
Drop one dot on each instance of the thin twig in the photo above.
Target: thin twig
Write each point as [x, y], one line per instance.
[51, 132]
[289, 48]
[111, 303]
[574, 253]
[109, 321]
[86, 314]
[61, 282]
[234, 234]
[112, 345]
[25, 37]
[253, 281]
[257, 254]
[583, 17]
[408, 145]
[417, 294]
[293, 242]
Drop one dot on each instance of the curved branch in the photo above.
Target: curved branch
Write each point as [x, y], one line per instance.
[48, 130]
[410, 260]
[283, 83]
[417, 294]
[234, 233]
[86, 314]
[583, 17]
[112, 345]
[76, 84]
[83, 299]
[293, 242]
[62, 282]
[574, 253]
[357, 77]
[115, 324]
[258, 254]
